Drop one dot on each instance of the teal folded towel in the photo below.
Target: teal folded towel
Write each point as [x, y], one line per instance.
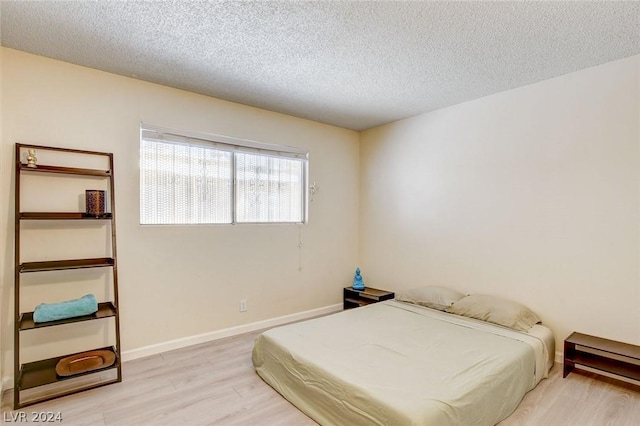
[86, 305]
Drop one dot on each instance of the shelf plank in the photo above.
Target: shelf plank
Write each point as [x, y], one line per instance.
[56, 148]
[602, 363]
[43, 372]
[55, 265]
[105, 310]
[23, 404]
[371, 293]
[65, 170]
[62, 216]
[606, 345]
[359, 302]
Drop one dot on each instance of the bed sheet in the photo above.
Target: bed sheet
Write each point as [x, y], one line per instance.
[393, 363]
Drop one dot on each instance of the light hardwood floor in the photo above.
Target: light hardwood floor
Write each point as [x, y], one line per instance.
[215, 383]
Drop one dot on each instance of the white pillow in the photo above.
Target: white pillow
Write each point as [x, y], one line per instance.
[431, 296]
[495, 310]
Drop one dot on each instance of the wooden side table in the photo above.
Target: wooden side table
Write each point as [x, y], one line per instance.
[621, 359]
[355, 298]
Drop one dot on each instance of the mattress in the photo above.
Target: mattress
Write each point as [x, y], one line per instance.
[394, 363]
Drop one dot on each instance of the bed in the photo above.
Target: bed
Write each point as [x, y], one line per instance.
[398, 363]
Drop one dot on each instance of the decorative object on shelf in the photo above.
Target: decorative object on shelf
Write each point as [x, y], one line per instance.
[86, 305]
[313, 188]
[31, 158]
[358, 284]
[84, 362]
[96, 202]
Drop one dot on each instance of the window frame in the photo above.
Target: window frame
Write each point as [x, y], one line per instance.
[232, 145]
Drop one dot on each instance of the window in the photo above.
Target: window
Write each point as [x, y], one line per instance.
[196, 179]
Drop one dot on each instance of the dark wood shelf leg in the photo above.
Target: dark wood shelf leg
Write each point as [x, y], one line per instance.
[569, 352]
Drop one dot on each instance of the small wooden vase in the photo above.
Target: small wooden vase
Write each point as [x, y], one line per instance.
[96, 202]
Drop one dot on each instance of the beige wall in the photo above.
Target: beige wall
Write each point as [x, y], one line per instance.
[175, 281]
[3, 239]
[531, 194]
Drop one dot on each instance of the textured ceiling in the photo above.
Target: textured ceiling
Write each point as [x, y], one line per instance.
[352, 64]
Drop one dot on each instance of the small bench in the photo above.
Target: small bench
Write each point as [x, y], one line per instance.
[618, 358]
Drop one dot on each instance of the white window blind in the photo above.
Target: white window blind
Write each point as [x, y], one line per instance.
[268, 189]
[189, 179]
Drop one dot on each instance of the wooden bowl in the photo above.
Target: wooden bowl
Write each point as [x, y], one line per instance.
[84, 362]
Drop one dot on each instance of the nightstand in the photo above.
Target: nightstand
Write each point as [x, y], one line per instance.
[356, 298]
[622, 359]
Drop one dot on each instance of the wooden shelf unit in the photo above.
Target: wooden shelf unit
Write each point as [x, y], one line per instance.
[355, 298]
[42, 372]
[617, 358]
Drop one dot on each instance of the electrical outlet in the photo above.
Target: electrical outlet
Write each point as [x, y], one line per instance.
[243, 305]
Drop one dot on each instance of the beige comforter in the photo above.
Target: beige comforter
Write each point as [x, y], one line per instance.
[393, 363]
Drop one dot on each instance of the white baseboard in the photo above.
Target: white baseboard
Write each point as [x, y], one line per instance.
[226, 332]
[559, 357]
[7, 382]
